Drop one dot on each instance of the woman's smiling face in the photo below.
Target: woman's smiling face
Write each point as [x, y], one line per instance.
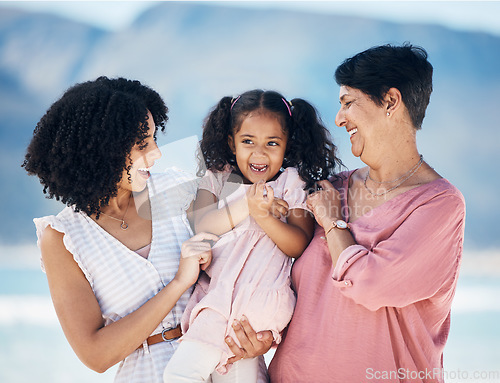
[141, 159]
[362, 119]
[259, 146]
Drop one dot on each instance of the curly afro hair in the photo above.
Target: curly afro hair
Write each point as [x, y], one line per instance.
[80, 147]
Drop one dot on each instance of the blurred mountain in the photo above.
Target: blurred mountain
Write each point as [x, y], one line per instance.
[193, 54]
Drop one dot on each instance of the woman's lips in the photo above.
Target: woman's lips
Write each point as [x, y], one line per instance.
[144, 172]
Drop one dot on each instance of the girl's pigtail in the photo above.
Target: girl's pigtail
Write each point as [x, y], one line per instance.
[310, 148]
[214, 151]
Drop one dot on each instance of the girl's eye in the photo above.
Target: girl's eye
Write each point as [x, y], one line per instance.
[272, 143]
[247, 142]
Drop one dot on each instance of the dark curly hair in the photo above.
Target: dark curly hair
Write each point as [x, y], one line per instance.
[80, 147]
[376, 70]
[309, 149]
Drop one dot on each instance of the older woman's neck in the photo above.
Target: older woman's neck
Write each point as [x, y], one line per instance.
[395, 158]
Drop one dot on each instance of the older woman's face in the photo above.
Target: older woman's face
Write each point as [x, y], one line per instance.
[142, 158]
[362, 119]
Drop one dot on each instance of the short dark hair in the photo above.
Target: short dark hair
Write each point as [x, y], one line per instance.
[80, 147]
[376, 70]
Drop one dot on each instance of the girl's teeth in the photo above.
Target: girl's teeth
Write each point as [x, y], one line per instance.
[258, 168]
[352, 131]
[144, 169]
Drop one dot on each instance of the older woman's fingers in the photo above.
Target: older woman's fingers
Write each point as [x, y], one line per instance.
[325, 184]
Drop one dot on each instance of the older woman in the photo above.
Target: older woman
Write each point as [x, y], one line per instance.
[113, 256]
[375, 286]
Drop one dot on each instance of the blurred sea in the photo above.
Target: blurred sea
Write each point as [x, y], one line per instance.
[33, 347]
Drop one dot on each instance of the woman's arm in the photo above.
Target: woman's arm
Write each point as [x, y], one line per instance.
[100, 347]
[326, 206]
[413, 263]
[291, 237]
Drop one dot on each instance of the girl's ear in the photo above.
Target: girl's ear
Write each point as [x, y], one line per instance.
[230, 142]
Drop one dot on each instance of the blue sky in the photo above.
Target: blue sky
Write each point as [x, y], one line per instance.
[461, 15]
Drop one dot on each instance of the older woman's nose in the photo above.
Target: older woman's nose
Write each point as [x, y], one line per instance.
[340, 118]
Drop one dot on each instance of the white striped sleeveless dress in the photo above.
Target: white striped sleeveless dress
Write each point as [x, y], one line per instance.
[121, 279]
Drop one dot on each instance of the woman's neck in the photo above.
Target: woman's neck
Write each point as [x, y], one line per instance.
[119, 204]
[393, 166]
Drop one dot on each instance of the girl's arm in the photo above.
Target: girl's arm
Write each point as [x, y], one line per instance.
[291, 237]
[99, 347]
[210, 219]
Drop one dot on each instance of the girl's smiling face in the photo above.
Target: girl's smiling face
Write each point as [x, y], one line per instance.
[259, 146]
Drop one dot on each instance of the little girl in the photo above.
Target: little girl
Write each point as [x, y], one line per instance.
[256, 147]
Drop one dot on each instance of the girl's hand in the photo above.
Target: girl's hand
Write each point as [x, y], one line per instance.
[279, 208]
[195, 251]
[252, 344]
[260, 200]
[325, 203]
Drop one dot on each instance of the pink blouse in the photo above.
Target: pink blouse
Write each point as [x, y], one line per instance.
[383, 312]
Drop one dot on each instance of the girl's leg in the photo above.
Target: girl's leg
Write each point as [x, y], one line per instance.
[243, 371]
[191, 362]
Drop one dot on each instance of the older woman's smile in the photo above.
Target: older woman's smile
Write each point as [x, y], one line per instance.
[352, 132]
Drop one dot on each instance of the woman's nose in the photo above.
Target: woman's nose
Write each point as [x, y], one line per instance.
[340, 118]
[153, 154]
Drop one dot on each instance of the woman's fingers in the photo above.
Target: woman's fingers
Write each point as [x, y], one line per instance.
[203, 237]
[199, 245]
[325, 184]
[252, 344]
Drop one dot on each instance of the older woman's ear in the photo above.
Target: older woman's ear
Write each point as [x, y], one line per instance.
[392, 100]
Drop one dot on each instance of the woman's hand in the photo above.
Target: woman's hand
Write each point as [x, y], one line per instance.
[252, 344]
[195, 251]
[260, 199]
[325, 203]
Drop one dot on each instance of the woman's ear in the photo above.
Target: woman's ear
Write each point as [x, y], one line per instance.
[393, 100]
[230, 142]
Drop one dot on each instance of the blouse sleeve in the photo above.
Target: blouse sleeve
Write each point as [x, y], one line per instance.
[212, 182]
[412, 264]
[294, 193]
[55, 223]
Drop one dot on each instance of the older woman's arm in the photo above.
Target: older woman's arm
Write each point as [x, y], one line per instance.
[413, 264]
[98, 346]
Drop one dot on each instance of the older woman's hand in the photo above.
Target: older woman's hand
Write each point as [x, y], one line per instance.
[252, 344]
[325, 203]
